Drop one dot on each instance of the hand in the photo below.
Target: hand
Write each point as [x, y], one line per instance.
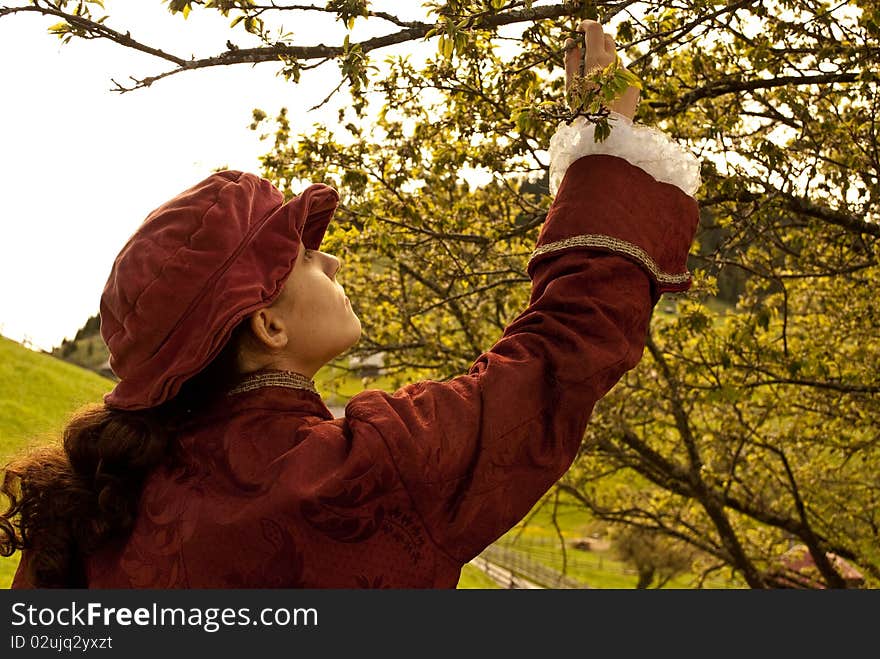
[601, 51]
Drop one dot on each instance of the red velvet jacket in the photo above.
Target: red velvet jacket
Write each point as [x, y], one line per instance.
[411, 485]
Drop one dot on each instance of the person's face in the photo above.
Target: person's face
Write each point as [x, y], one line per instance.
[311, 318]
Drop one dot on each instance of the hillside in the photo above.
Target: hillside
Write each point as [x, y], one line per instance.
[87, 348]
[38, 392]
[37, 395]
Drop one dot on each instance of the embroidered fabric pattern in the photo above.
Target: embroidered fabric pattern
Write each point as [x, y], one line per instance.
[288, 379]
[647, 148]
[617, 245]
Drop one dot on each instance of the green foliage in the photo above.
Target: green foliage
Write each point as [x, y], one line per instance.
[655, 558]
[87, 348]
[73, 27]
[354, 65]
[180, 6]
[348, 10]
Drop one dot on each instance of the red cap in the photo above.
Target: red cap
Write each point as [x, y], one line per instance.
[193, 270]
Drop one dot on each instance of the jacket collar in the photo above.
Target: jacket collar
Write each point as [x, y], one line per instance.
[273, 378]
[282, 390]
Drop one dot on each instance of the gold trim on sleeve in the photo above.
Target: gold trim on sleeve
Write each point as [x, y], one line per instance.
[615, 245]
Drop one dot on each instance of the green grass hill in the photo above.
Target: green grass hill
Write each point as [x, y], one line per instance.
[38, 393]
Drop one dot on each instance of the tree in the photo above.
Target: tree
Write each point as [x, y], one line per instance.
[655, 558]
[746, 427]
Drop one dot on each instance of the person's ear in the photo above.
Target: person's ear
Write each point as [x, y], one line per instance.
[268, 329]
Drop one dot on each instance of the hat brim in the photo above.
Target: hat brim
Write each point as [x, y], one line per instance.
[231, 296]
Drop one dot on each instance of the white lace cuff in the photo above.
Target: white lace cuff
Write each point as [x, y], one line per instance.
[647, 148]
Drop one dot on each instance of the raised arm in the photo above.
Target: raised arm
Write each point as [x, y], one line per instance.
[477, 452]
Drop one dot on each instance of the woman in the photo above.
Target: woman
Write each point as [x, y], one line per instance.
[215, 463]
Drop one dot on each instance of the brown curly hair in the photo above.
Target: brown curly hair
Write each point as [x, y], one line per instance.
[67, 500]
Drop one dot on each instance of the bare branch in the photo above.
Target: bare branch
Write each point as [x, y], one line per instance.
[391, 18]
[718, 88]
[280, 51]
[101, 31]
[803, 206]
[677, 33]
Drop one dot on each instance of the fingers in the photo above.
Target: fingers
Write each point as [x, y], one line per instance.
[601, 50]
[610, 46]
[595, 39]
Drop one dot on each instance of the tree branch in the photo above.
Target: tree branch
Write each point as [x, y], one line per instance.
[279, 51]
[101, 31]
[803, 206]
[718, 88]
[711, 502]
[677, 33]
[370, 14]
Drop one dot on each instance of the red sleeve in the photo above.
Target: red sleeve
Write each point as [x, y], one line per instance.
[477, 452]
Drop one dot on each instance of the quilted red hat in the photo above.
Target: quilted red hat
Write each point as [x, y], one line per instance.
[196, 267]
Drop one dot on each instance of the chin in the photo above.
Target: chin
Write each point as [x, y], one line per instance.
[356, 335]
[350, 336]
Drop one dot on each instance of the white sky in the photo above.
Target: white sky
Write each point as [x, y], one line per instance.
[82, 166]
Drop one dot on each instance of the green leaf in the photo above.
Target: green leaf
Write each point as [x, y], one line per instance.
[524, 120]
[447, 46]
[627, 78]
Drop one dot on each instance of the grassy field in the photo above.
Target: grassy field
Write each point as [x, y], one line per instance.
[37, 395]
[538, 538]
[474, 578]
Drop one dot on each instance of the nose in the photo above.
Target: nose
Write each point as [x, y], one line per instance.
[332, 264]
